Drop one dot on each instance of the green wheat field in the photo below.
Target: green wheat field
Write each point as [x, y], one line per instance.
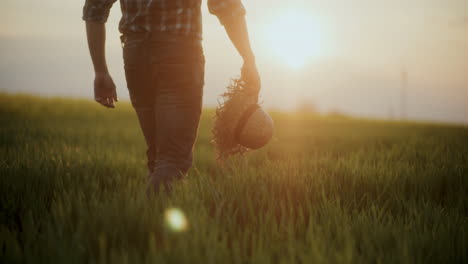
[327, 189]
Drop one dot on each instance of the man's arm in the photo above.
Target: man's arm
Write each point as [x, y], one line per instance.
[95, 13]
[96, 34]
[104, 87]
[236, 28]
[231, 14]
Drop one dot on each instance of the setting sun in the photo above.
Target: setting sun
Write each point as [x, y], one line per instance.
[293, 37]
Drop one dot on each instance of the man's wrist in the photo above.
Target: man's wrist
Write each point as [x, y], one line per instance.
[249, 58]
[101, 73]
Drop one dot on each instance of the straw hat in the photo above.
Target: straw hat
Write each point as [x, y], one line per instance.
[240, 122]
[254, 128]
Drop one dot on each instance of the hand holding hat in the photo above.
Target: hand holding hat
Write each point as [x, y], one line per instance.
[240, 122]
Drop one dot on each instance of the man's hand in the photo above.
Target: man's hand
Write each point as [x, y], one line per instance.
[104, 90]
[249, 74]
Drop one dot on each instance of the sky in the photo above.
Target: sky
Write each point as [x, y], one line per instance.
[345, 56]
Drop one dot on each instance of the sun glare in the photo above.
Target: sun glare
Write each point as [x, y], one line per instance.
[293, 37]
[175, 219]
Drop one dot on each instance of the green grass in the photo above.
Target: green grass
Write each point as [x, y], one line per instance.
[326, 190]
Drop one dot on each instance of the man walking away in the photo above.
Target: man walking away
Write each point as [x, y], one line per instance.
[164, 69]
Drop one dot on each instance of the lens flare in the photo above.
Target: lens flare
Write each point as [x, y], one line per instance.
[175, 220]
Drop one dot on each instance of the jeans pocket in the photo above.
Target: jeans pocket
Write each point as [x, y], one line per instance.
[134, 53]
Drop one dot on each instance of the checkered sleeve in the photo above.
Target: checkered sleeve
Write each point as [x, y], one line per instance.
[226, 9]
[97, 10]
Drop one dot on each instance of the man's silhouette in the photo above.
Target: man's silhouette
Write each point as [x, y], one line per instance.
[164, 68]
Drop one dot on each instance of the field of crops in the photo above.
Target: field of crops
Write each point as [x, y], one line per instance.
[325, 190]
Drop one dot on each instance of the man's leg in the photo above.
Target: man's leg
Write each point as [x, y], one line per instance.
[180, 68]
[142, 88]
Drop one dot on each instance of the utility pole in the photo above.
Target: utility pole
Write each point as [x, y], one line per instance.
[403, 93]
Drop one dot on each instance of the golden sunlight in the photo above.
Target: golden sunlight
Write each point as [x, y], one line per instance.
[293, 37]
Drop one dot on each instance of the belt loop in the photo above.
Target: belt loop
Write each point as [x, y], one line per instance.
[122, 40]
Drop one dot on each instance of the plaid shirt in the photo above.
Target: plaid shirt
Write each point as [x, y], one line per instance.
[180, 17]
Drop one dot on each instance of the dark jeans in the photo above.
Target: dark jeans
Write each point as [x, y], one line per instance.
[165, 78]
